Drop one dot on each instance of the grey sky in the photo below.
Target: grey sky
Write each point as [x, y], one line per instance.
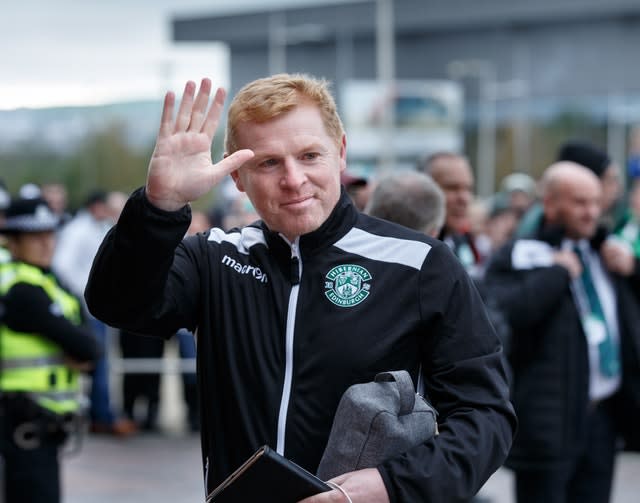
[66, 52]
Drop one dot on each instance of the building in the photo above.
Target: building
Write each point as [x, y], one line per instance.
[522, 64]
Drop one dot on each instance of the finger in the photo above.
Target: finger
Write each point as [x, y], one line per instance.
[167, 115]
[184, 112]
[211, 122]
[200, 106]
[232, 162]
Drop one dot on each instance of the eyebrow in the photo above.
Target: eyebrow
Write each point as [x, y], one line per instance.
[313, 146]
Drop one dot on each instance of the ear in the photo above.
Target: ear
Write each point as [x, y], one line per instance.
[550, 207]
[343, 153]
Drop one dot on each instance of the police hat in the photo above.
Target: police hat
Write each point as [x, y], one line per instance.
[29, 215]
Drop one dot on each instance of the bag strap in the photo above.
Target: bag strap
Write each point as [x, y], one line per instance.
[405, 388]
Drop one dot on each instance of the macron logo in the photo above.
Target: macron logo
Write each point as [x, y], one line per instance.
[256, 272]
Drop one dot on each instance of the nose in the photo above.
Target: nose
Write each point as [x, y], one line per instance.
[293, 175]
[463, 196]
[594, 210]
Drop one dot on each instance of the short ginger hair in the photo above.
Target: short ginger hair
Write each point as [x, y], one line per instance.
[266, 98]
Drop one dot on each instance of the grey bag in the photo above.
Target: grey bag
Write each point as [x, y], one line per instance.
[375, 421]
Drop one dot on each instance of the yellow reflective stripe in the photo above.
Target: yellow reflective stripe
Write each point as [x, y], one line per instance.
[30, 362]
[19, 272]
[39, 379]
[23, 345]
[21, 363]
[59, 403]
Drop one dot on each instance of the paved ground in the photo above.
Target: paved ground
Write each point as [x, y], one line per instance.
[165, 468]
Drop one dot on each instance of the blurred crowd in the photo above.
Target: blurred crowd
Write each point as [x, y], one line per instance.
[557, 263]
[78, 234]
[581, 198]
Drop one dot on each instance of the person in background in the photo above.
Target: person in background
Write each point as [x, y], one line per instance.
[498, 226]
[452, 172]
[141, 390]
[78, 242]
[411, 199]
[608, 171]
[5, 200]
[596, 160]
[29, 191]
[187, 343]
[115, 202]
[629, 229]
[57, 198]
[44, 344]
[576, 368]
[520, 192]
[293, 309]
[239, 211]
[358, 188]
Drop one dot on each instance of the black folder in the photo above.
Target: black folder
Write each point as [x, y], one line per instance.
[267, 476]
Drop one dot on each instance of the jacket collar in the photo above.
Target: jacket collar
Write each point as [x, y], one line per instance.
[554, 234]
[340, 221]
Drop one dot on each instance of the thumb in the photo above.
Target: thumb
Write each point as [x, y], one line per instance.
[233, 161]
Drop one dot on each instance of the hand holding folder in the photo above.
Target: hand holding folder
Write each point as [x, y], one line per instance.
[267, 476]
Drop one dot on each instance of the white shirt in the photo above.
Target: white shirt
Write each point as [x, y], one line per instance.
[77, 244]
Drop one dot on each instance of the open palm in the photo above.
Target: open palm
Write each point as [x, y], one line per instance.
[181, 170]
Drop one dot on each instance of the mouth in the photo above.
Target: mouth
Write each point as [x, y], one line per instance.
[298, 202]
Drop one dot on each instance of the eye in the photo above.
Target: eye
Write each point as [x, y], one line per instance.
[268, 163]
[310, 156]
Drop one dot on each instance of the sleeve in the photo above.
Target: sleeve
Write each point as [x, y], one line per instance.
[143, 279]
[465, 377]
[527, 296]
[29, 309]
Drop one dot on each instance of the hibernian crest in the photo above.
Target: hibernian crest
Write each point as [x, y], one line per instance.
[347, 285]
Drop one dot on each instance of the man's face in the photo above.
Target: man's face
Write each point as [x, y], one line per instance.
[294, 179]
[453, 175]
[34, 248]
[576, 205]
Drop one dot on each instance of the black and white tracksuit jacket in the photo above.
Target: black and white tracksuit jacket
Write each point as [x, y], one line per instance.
[283, 329]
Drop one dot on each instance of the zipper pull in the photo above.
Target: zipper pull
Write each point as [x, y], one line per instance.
[295, 264]
[295, 270]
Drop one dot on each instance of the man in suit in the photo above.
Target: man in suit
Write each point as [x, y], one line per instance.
[452, 172]
[575, 346]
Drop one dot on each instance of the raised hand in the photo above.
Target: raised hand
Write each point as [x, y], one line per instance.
[181, 170]
[618, 257]
[569, 260]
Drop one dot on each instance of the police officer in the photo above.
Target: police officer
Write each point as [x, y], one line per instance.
[43, 347]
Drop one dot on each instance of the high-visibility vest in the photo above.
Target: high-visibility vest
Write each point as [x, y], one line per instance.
[30, 363]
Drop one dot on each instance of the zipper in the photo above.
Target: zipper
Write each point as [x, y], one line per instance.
[296, 274]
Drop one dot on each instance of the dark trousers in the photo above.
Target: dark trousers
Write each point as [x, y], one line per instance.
[141, 386]
[589, 477]
[187, 346]
[31, 475]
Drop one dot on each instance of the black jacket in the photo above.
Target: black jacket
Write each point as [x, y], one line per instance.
[549, 355]
[283, 330]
